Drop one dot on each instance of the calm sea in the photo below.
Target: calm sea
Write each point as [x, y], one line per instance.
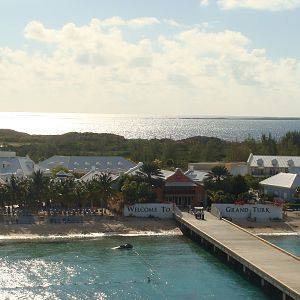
[145, 127]
[177, 268]
[288, 243]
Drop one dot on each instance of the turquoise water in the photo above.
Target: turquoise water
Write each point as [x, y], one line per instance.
[288, 243]
[178, 269]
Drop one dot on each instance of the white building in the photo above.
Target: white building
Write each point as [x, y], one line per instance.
[281, 185]
[268, 165]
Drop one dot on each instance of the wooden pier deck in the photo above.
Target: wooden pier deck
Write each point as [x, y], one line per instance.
[274, 266]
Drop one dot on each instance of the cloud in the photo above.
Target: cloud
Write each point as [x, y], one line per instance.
[173, 23]
[97, 68]
[36, 30]
[141, 22]
[204, 2]
[272, 5]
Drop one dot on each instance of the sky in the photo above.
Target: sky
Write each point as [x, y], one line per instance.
[158, 57]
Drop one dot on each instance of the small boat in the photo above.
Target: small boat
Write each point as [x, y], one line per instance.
[124, 246]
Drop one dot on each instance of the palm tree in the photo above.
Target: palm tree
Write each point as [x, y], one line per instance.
[106, 190]
[81, 194]
[93, 191]
[151, 173]
[3, 195]
[68, 186]
[39, 188]
[18, 191]
[217, 174]
[215, 178]
[214, 196]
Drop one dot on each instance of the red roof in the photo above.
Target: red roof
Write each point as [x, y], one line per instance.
[179, 176]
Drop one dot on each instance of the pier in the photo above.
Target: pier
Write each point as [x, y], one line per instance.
[274, 269]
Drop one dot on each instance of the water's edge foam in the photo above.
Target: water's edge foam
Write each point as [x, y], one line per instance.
[278, 234]
[54, 238]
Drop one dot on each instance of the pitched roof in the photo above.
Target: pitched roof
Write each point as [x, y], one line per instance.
[273, 161]
[93, 174]
[285, 180]
[16, 165]
[196, 175]
[178, 178]
[86, 163]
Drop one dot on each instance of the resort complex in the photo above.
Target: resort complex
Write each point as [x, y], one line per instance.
[213, 203]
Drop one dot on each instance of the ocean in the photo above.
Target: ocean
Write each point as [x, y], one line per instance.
[90, 269]
[146, 127]
[289, 243]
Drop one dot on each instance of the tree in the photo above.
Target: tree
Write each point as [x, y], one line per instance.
[39, 188]
[3, 195]
[18, 191]
[215, 178]
[219, 197]
[105, 186]
[130, 191]
[237, 185]
[151, 173]
[67, 191]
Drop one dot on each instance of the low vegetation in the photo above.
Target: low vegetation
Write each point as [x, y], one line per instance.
[172, 153]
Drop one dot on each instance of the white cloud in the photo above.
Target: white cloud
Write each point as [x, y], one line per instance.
[174, 23]
[272, 5]
[204, 2]
[141, 22]
[94, 68]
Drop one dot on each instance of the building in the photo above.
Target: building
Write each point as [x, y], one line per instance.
[11, 164]
[282, 185]
[196, 175]
[269, 165]
[234, 168]
[84, 164]
[182, 190]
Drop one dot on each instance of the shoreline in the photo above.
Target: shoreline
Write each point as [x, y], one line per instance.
[289, 226]
[88, 230]
[130, 226]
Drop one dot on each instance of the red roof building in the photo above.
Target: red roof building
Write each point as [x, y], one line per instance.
[182, 190]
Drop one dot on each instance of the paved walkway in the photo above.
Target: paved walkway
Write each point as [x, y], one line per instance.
[271, 263]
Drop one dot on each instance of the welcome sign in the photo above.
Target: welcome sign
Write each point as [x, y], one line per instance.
[146, 210]
[258, 211]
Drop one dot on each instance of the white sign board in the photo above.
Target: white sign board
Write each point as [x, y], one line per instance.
[146, 210]
[258, 211]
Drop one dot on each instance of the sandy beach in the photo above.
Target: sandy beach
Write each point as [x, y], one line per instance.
[107, 226]
[290, 225]
[134, 226]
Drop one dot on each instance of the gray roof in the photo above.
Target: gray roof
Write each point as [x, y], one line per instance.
[93, 174]
[283, 180]
[136, 169]
[166, 173]
[84, 164]
[273, 161]
[196, 175]
[21, 166]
